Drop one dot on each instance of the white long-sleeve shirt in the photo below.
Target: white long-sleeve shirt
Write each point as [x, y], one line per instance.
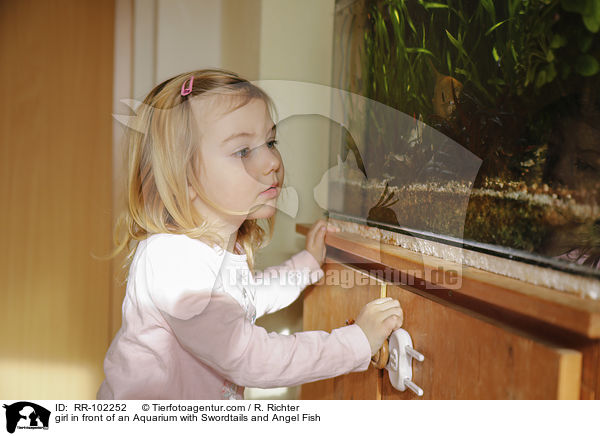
[188, 327]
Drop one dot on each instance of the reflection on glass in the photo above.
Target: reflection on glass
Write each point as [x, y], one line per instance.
[495, 136]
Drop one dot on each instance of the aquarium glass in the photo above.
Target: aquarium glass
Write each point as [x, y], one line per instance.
[471, 122]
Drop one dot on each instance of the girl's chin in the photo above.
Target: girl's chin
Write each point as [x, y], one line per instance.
[265, 211]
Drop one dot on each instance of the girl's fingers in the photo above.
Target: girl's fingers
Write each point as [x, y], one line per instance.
[320, 234]
[321, 226]
[393, 323]
[332, 228]
[316, 234]
[385, 307]
[316, 227]
[392, 311]
[380, 301]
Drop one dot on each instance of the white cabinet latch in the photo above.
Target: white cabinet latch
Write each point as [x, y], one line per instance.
[399, 365]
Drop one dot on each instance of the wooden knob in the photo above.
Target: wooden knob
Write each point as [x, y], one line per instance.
[380, 359]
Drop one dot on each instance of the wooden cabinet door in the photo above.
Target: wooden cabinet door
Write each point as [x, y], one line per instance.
[470, 357]
[467, 356]
[56, 65]
[326, 307]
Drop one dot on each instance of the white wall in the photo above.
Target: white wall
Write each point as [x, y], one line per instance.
[240, 37]
[189, 36]
[261, 40]
[296, 44]
[172, 37]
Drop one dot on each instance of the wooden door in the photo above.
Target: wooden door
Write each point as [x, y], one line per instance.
[56, 71]
[329, 306]
[492, 338]
[468, 356]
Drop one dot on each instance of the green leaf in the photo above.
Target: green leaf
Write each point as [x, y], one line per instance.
[412, 26]
[463, 72]
[586, 65]
[549, 56]
[489, 7]
[398, 32]
[496, 81]
[550, 73]
[585, 43]
[541, 79]
[578, 6]
[530, 75]
[495, 26]
[512, 7]
[588, 9]
[418, 50]
[558, 41]
[495, 54]
[592, 24]
[456, 43]
[514, 53]
[432, 5]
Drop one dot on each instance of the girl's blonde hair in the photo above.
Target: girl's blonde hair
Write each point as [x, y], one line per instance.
[163, 163]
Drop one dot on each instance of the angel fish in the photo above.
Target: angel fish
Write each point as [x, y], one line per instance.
[445, 93]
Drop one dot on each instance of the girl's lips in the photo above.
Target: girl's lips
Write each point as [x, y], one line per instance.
[271, 192]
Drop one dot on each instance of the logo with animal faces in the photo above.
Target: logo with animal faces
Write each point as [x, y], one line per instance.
[402, 185]
[24, 415]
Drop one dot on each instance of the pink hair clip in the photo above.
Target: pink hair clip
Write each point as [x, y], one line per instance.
[187, 90]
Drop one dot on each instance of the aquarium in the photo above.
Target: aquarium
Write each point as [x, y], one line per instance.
[471, 124]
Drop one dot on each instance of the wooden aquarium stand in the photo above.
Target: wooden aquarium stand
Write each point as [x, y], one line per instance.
[483, 335]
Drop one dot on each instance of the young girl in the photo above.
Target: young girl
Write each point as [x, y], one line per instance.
[203, 168]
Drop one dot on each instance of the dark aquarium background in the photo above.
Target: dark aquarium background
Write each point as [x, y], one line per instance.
[481, 123]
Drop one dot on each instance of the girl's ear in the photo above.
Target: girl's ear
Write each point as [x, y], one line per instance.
[192, 193]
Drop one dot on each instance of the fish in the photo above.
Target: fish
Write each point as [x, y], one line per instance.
[382, 211]
[445, 93]
[350, 145]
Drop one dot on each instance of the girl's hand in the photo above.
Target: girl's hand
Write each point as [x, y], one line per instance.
[378, 319]
[315, 239]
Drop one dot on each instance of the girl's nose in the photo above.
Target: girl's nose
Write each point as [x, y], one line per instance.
[263, 160]
[270, 159]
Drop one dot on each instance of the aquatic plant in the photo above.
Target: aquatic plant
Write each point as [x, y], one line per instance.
[515, 58]
[516, 82]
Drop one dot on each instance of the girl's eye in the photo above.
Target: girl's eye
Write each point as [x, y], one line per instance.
[243, 152]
